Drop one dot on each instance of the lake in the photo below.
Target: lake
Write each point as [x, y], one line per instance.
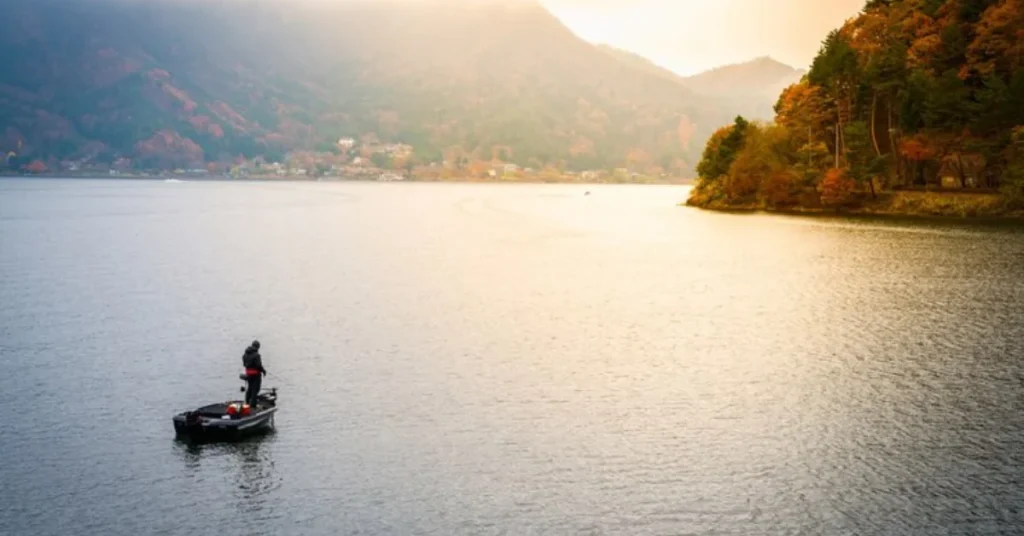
[503, 359]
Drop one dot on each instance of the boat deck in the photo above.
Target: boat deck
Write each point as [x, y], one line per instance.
[217, 411]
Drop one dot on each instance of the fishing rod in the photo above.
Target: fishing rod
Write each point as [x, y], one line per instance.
[289, 384]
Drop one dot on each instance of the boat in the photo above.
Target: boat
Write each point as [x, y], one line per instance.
[223, 422]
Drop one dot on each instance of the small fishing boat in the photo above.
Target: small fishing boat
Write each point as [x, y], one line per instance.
[227, 420]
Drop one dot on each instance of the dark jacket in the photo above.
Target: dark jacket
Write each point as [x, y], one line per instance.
[251, 360]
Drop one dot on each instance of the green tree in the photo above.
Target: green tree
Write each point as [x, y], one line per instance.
[864, 164]
[812, 160]
[274, 155]
[1013, 184]
[381, 160]
[835, 64]
[722, 149]
[836, 69]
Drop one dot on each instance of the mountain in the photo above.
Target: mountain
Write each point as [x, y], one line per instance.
[174, 83]
[754, 77]
[750, 89]
[754, 85]
[641, 63]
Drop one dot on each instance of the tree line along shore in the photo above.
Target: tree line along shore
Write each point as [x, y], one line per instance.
[915, 107]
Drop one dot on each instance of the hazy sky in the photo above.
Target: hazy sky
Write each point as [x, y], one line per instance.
[689, 36]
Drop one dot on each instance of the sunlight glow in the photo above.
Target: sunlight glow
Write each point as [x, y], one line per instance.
[690, 36]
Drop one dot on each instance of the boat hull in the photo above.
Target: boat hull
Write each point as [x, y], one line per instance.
[211, 429]
[216, 423]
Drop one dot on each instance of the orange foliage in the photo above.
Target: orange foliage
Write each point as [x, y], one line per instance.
[999, 44]
[399, 162]
[178, 94]
[36, 167]
[836, 188]
[916, 150]
[168, 149]
[157, 75]
[203, 123]
[740, 185]
[226, 113]
[199, 122]
[802, 106]
[478, 169]
[868, 33]
[923, 32]
[778, 189]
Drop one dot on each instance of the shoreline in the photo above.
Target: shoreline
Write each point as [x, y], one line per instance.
[935, 206]
[267, 179]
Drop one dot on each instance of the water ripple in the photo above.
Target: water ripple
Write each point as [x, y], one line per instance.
[469, 359]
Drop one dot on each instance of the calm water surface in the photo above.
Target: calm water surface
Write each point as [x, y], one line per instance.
[466, 359]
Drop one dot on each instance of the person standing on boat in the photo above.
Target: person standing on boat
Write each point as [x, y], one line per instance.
[254, 372]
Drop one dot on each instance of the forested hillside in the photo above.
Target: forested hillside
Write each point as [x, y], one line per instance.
[181, 83]
[911, 94]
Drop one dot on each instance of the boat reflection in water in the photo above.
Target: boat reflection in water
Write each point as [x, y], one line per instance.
[242, 470]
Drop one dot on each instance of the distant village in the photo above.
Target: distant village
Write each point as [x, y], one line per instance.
[351, 160]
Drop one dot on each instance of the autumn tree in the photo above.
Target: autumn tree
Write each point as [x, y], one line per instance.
[478, 169]
[905, 92]
[765, 166]
[916, 151]
[36, 167]
[836, 188]
[999, 43]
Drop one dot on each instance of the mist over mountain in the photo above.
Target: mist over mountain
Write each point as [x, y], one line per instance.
[643, 64]
[183, 82]
[754, 86]
[750, 89]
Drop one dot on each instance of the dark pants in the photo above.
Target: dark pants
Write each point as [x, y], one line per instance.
[252, 388]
